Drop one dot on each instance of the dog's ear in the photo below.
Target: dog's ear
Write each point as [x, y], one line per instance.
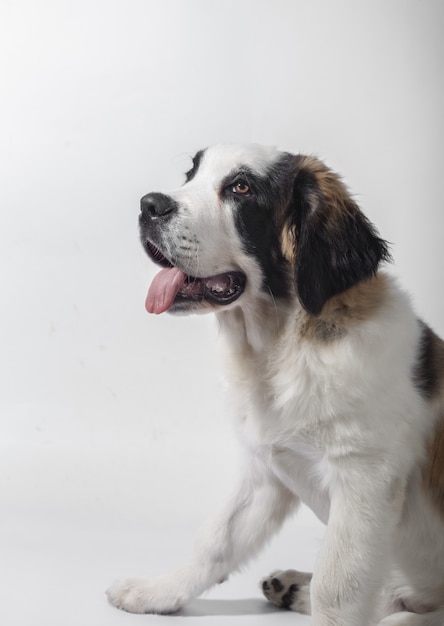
[333, 244]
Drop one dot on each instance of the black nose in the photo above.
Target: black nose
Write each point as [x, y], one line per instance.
[155, 205]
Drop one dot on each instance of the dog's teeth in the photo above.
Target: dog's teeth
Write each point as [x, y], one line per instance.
[219, 284]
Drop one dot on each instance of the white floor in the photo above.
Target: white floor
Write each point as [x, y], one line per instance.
[54, 572]
[76, 517]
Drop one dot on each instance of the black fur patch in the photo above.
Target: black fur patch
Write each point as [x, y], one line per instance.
[277, 585]
[425, 373]
[197, 158]
[256, 218]
[287, 598]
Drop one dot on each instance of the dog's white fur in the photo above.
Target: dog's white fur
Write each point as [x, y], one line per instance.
[337, 424]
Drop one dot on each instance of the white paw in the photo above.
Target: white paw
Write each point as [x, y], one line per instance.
[289, 590]
[145, 595]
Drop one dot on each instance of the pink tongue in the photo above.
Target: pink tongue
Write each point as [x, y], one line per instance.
[164, 289]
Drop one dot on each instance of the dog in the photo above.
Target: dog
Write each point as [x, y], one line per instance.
[340, 388]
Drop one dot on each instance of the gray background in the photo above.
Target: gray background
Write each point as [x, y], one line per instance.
[115, 430]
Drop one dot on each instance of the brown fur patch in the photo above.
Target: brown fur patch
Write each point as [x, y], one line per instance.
[326, 237]
[288, 242]
[433, 472]
[356, 305]
[331, 186]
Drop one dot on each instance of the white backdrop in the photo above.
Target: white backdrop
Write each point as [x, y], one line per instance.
[112, 421]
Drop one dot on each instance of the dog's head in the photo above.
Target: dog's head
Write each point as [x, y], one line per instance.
[252, 222]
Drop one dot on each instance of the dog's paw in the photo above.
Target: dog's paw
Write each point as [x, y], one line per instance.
[145, 595]
[289, 590]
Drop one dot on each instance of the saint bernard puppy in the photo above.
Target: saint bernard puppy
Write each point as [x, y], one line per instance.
[340, 389]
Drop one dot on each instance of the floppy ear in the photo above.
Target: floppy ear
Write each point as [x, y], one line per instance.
[336, 246]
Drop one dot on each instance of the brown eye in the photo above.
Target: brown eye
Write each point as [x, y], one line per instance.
[241, 188]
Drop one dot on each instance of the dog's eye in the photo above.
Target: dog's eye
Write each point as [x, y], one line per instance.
[241, 187]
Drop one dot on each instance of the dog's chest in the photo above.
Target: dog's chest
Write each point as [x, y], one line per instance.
[291, 448]
[287, 399]
[288, 393]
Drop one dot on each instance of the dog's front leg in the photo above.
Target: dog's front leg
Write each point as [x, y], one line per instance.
[354, 558]
[256, 510]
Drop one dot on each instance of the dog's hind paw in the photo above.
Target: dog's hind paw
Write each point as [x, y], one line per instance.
[288, 589]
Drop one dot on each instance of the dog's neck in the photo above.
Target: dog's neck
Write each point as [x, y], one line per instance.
[244, 330]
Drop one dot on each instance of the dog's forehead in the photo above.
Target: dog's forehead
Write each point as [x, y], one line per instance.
[221, 159]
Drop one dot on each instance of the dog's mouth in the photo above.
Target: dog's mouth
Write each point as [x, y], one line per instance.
[172, 287]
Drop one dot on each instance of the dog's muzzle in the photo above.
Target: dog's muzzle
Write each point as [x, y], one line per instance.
[172, 289]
